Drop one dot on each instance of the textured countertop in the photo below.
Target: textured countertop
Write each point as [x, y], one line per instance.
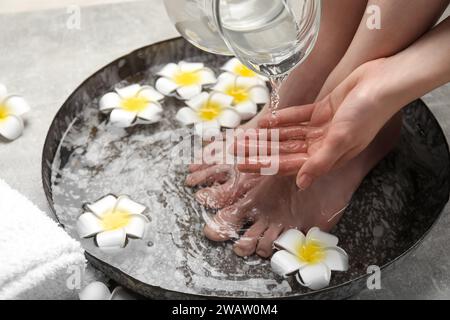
[44, 60]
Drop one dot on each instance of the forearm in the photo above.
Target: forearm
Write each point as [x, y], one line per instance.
[419, 69]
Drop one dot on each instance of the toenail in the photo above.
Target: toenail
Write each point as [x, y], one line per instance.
[239, 251]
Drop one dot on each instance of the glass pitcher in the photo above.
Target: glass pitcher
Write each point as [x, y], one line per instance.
[269, 36]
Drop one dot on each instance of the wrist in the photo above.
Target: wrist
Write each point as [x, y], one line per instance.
[389, 93]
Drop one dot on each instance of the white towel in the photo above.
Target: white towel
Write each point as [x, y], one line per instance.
[37, 257]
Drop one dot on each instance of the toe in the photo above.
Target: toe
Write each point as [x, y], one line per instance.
[265, 244]
[247, 244]
[227, 194]
[227, 223]
[213, 197]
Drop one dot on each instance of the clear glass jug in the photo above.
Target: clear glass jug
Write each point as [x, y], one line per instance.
[269, 36]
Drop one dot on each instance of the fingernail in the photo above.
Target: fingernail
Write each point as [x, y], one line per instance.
[305, 181]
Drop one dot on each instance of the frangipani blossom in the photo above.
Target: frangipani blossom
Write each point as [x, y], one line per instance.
[234, 66]
[209, 112]
[186, 78]
[311, 258]
[247, 93]
[134, 104]
[111, 220]
[12, 108]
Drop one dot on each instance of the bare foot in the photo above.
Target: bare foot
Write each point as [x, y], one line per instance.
[275, 204]
[221, 185]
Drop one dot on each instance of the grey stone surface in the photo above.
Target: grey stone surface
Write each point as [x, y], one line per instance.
[44, 60]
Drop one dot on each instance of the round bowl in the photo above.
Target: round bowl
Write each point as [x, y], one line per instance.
[84, 158]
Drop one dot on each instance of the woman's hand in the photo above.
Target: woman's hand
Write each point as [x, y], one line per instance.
[327, 134]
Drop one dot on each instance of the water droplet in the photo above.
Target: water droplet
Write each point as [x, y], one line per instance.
[150, 244]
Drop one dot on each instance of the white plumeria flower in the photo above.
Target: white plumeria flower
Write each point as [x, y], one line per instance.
[247, 93]
[186, 78]
[236, 67]
[111, 220]
[209, 112]
[99, 291]
[134, 104]
[312, 258]
[12, 108]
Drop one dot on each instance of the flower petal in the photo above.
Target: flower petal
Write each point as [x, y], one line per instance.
[198, 101]
[227, 77]
[103, 205]
[111, 239]
[284, 263]
[291, 240]
[224, 81]
[169, 70]
[165, 86]
[150, 94]
[152, 113]
[326, 239]
[262, 79]
[247, 82]
[95, 291]
[128, 91]
[247, 110]
[259, 94]
[207, 76]
[88, 225]
[208, 129]
[110, 101]
[315, 277]
[190, 66]
[187, 116]
[136, 226]
[221, 99]
[229, 118]
[189, 92]
[16, 105]
[122, 118]
[231, 65]
[11, 127]
[3, 92]
[125, 204]
[336, 259]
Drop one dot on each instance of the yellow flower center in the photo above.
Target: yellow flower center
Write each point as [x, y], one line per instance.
[311, 252]
[187, 78]
[134, 104]
[115, 220]
[239, 93]
[209, 111]
[3, 112]
[243, 71]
